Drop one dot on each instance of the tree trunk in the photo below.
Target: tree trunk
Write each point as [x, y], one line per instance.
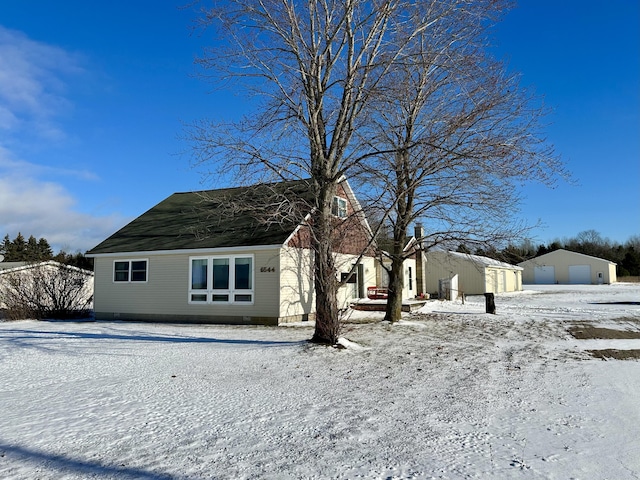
[327, 327]
[393, 312]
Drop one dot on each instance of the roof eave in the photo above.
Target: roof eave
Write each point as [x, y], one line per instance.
[182, 251]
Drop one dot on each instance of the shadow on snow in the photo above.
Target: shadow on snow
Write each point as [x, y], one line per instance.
[62, 463]
[18, 335]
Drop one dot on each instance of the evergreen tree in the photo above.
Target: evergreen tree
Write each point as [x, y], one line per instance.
[5, 246]
[18, 251]
[631, 262]
[31, 249]
[44, 249]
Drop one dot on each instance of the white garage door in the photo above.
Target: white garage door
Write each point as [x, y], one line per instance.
[580, 274]
[545, 274]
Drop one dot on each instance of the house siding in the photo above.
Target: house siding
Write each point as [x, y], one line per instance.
[165, 297]
[167, 237]
[350, 235]
[410, 286]
[348, 292]
[473, 278]
[296, 295]
[500, 280]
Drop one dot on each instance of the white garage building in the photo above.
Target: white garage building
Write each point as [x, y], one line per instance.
[563, 266]
[475, 274]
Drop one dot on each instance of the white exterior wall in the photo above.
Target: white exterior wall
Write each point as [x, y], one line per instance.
[410, 280]
[165, 294]
[473, 278]
[410, 289]
[297, 297]
[349, 292]
[283, 288]
[561, 260]
[500, 280]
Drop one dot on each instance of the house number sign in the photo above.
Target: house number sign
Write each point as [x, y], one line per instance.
[267, 269]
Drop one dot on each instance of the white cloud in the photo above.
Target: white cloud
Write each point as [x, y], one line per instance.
[32, 87]
[46, 209]
[32, 96]
[21, 168]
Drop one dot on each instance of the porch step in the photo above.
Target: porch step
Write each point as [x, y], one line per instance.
[381, 305]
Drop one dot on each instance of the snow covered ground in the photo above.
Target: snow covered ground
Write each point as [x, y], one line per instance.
[449, 392]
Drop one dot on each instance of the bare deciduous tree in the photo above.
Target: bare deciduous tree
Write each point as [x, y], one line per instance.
[456, 134]
[402, 91]
[48, 290]
[315, 67]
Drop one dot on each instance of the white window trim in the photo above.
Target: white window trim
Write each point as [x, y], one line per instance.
[130, 262]
[339, 200]
[231, 291]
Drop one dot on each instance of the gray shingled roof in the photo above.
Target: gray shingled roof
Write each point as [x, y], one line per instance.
[483, 261]
[212, 219]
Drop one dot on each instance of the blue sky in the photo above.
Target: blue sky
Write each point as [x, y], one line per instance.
[94, 96]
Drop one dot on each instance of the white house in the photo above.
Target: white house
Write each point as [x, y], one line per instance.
[195, 258]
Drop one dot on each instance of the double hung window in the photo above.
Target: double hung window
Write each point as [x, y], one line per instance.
[339, 207]
[221, 279]
[127, 271]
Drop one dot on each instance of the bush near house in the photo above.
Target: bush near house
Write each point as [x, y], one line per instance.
[46, 290]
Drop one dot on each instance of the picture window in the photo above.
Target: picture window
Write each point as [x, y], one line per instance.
[219, 279]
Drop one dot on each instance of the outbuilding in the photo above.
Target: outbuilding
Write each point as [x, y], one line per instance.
[476, 274]
[564, 266]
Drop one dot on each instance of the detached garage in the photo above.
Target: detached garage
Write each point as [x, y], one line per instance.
[476, 274]
[563, 266]
[545, 274]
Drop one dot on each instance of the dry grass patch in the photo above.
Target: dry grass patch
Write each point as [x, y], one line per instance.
[589, 332]
[629, 279]
[613, 354]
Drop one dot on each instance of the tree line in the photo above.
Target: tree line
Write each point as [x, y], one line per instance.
[589, 242]
[39, 250]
